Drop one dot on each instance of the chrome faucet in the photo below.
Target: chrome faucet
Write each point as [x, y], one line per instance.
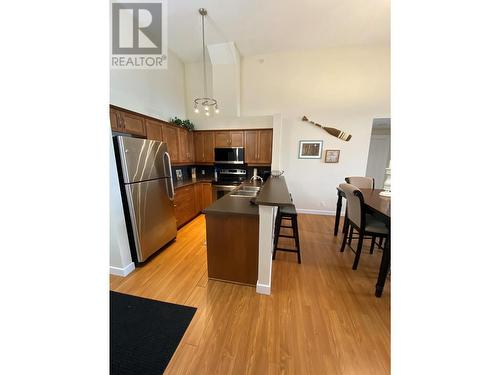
[256, 177]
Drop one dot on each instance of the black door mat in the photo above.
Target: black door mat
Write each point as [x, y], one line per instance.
[144, 333]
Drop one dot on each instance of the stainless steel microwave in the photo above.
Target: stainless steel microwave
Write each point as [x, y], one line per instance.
[229, 155]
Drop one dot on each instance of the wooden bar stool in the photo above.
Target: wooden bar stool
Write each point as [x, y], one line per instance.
[290, 214]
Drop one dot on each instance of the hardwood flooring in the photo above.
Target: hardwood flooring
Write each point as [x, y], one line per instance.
[321, 318]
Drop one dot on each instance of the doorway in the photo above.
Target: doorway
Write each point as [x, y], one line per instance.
[379, 155]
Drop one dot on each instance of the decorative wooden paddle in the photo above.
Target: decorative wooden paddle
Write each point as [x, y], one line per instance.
[335, 132]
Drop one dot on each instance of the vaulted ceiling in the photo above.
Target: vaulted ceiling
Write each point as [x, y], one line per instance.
[266, 26]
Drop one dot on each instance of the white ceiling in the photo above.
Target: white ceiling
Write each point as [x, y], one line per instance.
[265, 26]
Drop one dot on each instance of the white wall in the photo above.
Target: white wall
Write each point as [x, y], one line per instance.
[157, 93]
[201, 122]
[344, 88]
[119, 257]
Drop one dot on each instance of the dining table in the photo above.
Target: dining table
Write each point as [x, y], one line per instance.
[381, 205]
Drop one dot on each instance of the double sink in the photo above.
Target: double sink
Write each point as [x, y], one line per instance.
[245, 191]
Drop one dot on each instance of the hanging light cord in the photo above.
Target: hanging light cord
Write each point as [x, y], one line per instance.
[205, 101]
[203, 49]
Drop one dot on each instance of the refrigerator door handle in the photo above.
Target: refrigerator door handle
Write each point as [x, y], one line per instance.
[168, 173]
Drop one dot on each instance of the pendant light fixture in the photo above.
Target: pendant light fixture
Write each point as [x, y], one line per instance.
[206, 103]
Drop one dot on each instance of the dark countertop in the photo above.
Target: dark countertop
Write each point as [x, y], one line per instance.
[188, 181]
[274, 193]
[234, 205]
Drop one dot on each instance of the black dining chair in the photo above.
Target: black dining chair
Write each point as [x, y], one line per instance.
[362, 182]
[358, 219]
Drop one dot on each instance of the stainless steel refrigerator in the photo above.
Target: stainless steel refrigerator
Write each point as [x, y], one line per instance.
[147, 194]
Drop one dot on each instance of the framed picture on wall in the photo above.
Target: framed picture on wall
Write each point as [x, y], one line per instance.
[332, 156]
[310, 149]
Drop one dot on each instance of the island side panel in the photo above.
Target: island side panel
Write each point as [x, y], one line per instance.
[267, 215]
[233, 247]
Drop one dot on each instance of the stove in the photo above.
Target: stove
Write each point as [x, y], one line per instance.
[230, 176]
[226, 180]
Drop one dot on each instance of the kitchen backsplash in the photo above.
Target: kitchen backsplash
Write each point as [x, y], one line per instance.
[207, 171]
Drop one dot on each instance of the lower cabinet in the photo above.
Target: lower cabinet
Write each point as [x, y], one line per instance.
[190, 200]
[185, 208]
[206, 194]
[198, 197]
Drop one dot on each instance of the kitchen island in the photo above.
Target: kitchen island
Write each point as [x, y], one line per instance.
[232, 224]
[240, 234]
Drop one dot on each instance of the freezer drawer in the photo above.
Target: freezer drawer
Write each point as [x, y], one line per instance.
[151, 215]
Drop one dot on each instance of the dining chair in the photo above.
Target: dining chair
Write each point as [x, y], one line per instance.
[361, 182]
[358, 219]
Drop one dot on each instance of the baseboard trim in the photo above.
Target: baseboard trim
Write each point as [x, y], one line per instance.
[122, 271]
[315, 212]
[263, 289]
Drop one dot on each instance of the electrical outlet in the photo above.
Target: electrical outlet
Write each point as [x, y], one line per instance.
[323, 204]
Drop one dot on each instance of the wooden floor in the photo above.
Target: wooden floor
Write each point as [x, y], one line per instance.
[321, 318]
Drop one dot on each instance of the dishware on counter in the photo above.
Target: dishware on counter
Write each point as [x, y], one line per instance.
[277, 173]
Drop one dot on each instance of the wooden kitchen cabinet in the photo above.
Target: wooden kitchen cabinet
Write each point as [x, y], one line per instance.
[126, 122]
[265, 146]
[198, 197]
[190, 200]
[236, 138]
[229, 138]
[222, 139]
[182, 134]
[206, 191]
[198, 147]
[204, 143]
[184, 204]
[170, 137]
[258, 146]
[154, 130]
[251, 146]
[191, 147]
[208, 146]
[116, 123]
[133, 124]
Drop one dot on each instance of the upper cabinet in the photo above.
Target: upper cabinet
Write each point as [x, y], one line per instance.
[133, 124]
[116, 122]
[258, 146]
[208, 146]
[229, 138]
[204, 143]
[265, 154]
[186, 146]
[154, 130]
[198, 147]
[126, 122]
[180, 142]
[170, 137]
